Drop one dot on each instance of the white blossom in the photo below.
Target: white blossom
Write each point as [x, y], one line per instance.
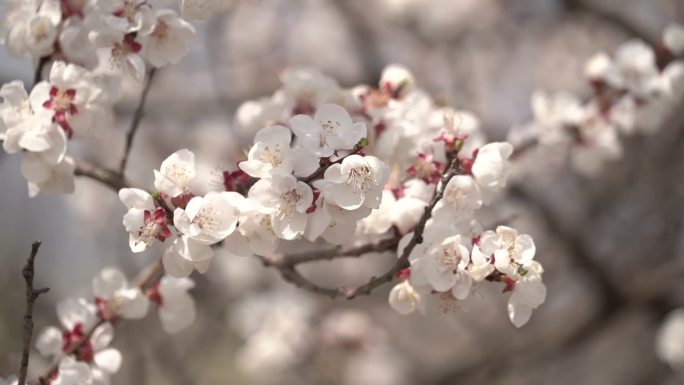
[168, 41]
[32, 27]
[669, 343]
[185, 255]
[673, 38]
[48, 178]
[115, 297]
[270, 153]
[287, 200]
[509, 249]
[357, 181]
[144, 221]
[443, 267]
[124, 51]
[175, 174]
[491, 168]
[460, 199]
[397, 79]
[176, 307]
[528, 293]
[72, 372]
[331, 129]
[404, 298]
[209, 219]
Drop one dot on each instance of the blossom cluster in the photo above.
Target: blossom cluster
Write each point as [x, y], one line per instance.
[80, 347]
[310, 174]
[69, 103]
[633, 91]
[131, 31]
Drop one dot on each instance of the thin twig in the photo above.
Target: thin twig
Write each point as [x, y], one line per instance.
[109, 178]
[135, 123]
[32, 295]
[289, 260]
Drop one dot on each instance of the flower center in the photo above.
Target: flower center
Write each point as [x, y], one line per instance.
[40, 30]
[360, 178]
[272, 156]
[121, 50]
[161, 31]
[207, 220]
[449, 258]
[288, 203]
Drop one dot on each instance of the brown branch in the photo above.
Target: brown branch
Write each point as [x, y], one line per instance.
[135, 123]
[281, 261]
[32, 295]
[286, 264]
[107, 177]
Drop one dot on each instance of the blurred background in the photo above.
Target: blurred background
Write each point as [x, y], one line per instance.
[612, 245]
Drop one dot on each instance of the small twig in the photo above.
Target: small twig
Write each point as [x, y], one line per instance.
[32, 295]
[108, 177]
[135, 123]
[289, 260]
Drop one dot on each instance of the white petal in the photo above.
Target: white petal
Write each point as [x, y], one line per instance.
[108, 360]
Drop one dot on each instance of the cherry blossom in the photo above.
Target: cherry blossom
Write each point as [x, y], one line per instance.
[32, 27]
[124, 51]
[444, 267]
[209, 219]
[72, 372]
[70, 96]
[510, 250]
[126, 16]
[114, 297]
[77, 317]
[461, 198]
[168, 41]
[175, 174]
[270, 153]
[491, 168]
[331, 129]
[404, 298]
[176, 307]
[668, 344]
[286, 200]
[144, 221]
[673, 38]
[356, 182]
[528, 293]
[45, 177]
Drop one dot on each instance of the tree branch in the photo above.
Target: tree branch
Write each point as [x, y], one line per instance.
[286, 263]
[32, 295]
[135, 123]
[107, 177]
